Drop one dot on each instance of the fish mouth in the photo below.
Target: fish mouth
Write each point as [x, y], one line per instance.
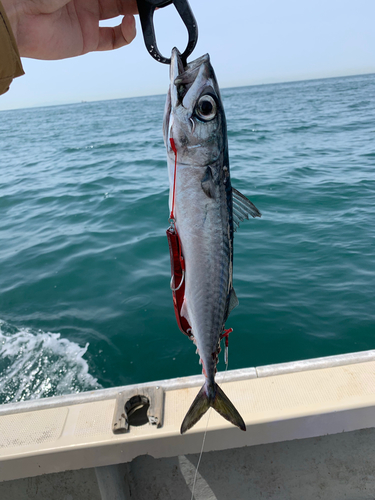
[182, 78]
[186, 82]
[176, 69]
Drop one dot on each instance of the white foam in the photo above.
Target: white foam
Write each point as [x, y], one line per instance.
[35, 364]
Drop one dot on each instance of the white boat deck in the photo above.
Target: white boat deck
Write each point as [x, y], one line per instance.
[292, 411]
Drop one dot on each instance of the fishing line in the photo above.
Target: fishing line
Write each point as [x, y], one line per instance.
[173, 146]
[204, 436]
[200, 455]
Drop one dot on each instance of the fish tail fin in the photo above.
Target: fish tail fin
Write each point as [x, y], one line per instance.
[226, 409]
[196, 411]
[219, 402]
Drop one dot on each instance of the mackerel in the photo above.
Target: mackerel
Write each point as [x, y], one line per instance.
[206, 210]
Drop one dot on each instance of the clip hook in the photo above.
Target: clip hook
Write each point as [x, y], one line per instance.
[146, 9]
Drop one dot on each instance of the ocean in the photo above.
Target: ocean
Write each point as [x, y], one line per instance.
[84, 263]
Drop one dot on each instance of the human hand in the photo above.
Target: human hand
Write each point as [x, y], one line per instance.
[58, 29]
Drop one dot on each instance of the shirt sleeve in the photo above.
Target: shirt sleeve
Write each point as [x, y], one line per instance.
[10, 62]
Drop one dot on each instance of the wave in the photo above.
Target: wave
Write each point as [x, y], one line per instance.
[36, 364]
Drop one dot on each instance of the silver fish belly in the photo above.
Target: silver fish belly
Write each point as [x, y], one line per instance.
[206, 210]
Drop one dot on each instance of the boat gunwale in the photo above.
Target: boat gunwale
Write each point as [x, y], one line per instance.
[190, 381]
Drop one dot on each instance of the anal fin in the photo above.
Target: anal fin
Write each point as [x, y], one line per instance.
[184, 311]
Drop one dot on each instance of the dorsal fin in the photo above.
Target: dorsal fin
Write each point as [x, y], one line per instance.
[233, 302]
[242, 208]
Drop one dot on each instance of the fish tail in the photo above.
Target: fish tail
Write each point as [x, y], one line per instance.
[218, 401]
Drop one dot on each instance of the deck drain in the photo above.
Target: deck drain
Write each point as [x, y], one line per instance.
[138, 407]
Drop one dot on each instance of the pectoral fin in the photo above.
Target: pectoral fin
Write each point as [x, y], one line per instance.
[208, 184]
[242, 208]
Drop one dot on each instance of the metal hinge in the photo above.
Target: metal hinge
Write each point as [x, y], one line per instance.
[130, 403]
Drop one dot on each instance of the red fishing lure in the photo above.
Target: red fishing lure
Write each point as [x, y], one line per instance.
[177, 261]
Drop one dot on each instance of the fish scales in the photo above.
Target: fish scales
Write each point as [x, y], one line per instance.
[201, 200]
[203, 226]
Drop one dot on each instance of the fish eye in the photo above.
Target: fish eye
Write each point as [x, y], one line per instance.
[206, 108]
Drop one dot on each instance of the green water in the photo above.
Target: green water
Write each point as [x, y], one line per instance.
[84, 282]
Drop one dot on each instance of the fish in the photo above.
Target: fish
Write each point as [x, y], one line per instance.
[205, 212]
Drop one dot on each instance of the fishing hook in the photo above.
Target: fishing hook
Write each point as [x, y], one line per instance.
[179, 286]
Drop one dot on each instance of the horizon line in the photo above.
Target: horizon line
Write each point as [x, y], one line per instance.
[164, 93]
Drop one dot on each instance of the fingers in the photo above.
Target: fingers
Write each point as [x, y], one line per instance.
[128, 29]
[113, 8]
[114, 38]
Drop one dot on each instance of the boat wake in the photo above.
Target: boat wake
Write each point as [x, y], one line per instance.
[36, 364]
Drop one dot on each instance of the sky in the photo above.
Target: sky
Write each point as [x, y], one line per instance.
[250, 42]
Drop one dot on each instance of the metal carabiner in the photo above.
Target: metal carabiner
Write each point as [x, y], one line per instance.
[146, 9]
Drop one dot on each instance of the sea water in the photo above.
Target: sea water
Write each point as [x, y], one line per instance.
[84, 263]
